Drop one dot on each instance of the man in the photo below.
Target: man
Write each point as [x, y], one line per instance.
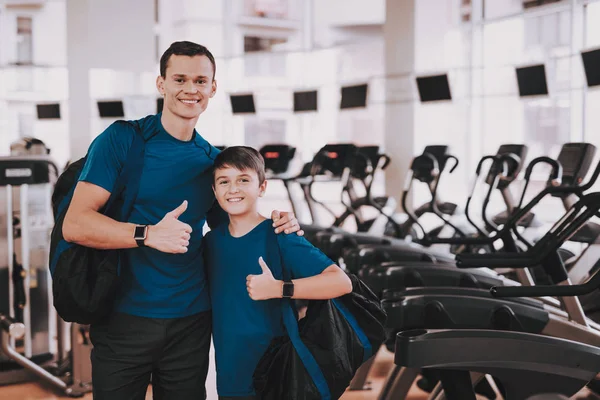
[161, 324]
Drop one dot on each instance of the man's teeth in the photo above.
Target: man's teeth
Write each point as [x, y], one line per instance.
[189, 101]
[235, 200]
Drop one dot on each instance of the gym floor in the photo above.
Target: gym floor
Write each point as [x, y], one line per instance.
[383, 363]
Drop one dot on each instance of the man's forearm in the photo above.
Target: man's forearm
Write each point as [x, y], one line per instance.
[95, 230]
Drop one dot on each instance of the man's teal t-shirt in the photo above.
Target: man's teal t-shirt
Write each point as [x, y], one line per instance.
[156, 284]
[242, 327]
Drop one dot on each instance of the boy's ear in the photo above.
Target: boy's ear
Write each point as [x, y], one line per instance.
[263, 188]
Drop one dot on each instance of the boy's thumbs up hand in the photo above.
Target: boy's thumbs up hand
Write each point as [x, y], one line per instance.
[263, 286]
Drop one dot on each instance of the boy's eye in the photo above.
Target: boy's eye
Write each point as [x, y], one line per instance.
[223, 183]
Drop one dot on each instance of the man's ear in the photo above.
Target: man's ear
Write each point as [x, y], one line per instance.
[160, 85]
[213, 91]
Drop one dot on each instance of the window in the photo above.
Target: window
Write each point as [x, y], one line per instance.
[541, 122]
[277, 9]
[537, 3]
[264, 64]
[255, 43]
[500, 8]
[259, 132]
[24, 41]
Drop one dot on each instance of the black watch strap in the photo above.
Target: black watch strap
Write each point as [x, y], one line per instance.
[140, 233]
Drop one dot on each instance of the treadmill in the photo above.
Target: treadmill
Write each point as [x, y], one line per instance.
[391, 274]
[426, 168]
[356, 255]
[498, 309]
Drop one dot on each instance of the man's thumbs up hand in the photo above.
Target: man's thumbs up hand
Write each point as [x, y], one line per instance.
[170, 235]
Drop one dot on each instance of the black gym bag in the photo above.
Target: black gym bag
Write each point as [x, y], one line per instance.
[321, 353]
[85, 280]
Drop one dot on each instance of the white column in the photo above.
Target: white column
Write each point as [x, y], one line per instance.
[112, 34]
[78, 67]
[308, 22]
[399, 34]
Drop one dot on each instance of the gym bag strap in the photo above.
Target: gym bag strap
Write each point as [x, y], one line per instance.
[321, 353]
[85, 280]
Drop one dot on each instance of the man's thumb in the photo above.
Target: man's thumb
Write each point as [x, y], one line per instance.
[263, 265]
[179, 210]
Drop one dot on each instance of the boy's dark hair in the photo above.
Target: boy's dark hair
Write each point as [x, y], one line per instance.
[241, 158]
[185, 48]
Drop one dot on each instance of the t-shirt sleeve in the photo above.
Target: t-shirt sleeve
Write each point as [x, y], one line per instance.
[106, 156]
[301, 258]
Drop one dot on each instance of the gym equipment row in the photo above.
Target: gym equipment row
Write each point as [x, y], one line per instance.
[498, 314]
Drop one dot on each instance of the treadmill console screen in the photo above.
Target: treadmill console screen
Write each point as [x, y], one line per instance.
[333, 158]
[277, 157]
[575, 159]
[514, 168]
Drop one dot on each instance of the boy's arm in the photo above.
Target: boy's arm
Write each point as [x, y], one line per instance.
[329, 284]
[282, 221]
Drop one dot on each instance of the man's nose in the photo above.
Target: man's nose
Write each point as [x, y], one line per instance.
[190, 87]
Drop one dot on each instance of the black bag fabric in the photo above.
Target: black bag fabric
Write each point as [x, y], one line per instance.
[320, 355]
[85, 280]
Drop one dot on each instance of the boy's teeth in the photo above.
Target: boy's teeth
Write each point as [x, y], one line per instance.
[235, 199]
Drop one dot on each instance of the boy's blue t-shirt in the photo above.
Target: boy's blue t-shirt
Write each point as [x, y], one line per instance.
[156, 284]
[242, 327]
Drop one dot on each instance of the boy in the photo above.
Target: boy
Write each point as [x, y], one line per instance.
[244, 294]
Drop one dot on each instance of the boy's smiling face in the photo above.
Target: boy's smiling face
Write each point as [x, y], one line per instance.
[237, 191]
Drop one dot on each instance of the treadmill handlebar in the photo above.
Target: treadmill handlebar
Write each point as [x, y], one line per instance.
[495, 260]
[592, 284]
[555, 173]
[519, 214]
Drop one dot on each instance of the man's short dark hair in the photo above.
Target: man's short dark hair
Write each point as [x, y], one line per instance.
[185, 48]
[241, 158]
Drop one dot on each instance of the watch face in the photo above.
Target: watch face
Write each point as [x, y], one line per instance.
[288, 289]
[140, 233]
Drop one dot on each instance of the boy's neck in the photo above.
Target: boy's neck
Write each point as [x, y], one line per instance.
[179, 128]
[239, 225]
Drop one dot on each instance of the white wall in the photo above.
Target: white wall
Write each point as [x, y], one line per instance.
[49, 35]
[8, 37]
[355, 12]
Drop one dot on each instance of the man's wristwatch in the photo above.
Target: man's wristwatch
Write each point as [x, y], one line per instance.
[288, 289]
[140, 233]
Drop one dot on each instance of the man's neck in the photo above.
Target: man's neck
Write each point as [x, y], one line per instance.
[239, 225]
[179, 128]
